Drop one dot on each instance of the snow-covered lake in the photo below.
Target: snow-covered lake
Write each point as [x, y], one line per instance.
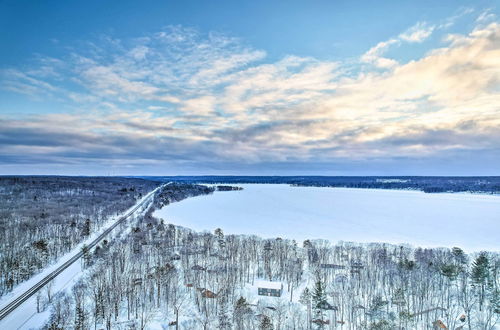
[470, 221]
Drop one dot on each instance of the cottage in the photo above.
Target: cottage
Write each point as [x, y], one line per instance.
[205, 293]
[332, 266]
[357, 265]
[326, 306]
[321, 322]
[175, 257]
[268, 288]
[198, 267]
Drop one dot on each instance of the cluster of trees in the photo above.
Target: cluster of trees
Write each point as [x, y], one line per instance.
[160, 273]
[227, 188]
[430, 184]
[184, 279]
[43, 217]
[174, 192]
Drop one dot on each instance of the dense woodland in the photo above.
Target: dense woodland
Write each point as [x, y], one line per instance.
[152, 274]
[42, 218]
[428, 184]
[163, 276]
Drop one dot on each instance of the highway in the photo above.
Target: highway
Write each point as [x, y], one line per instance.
[24, 296]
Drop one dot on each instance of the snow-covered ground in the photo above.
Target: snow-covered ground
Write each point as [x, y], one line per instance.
[26, 316]
[470, 221]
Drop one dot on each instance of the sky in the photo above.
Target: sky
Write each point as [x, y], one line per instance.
[250, 87]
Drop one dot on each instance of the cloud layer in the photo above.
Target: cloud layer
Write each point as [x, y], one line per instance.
[179, 99]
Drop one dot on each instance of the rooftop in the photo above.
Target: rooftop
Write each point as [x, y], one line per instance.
[269, 285]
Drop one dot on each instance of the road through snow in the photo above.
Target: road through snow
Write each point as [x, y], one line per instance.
[25, 316]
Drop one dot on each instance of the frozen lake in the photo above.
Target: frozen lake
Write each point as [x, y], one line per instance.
[470, 221]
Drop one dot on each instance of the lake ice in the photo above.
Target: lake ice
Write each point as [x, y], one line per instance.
[470, 221]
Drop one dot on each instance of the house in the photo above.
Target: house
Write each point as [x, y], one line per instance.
[332, 266]
[321, 322]
[198, 267]
[268, 288]
[326, 306]
[205, 293]
[175, 257]
[208, 294]
[357, 265]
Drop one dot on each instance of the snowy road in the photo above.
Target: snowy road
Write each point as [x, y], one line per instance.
[18, 309]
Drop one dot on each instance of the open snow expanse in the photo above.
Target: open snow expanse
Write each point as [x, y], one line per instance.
[470, 221]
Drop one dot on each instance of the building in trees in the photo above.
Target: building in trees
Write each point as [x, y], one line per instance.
[268, 288]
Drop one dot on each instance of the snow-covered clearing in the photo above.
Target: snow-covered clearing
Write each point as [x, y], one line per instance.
[470, 221]
[26, 316]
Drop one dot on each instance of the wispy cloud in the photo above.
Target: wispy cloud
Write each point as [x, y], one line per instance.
[178, 97]
[417, 33]
[374, 54]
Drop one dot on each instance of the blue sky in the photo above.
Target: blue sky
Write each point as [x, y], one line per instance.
[250, 87]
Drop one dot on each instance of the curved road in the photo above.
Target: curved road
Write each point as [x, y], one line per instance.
[20, 299]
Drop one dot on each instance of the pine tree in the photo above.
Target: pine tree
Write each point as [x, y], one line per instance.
[265, 323]
[241, 309]
[79, 317]
[305, 299]
[319, 301]
[480, 275]
[223, 314]
[220, 238]
[460, 256]
[86, 228]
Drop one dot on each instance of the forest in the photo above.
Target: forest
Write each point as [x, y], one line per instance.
[165, 276]
[428, 184]
[153, 274]
[43, 217]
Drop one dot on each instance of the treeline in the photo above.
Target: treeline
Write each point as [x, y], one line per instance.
[43, 217]
[429, 184]
[228, 188]
[175, 192]
[168, 276]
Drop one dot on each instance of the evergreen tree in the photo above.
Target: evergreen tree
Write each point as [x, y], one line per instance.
[480, 275]
[220, 238]
[305, 299]
[223, 314]
[241, 310]
[86, 228]
[79, 317]
[265, 323]
[319, 301]
[451, 271]
[460, 257]
[86, 255]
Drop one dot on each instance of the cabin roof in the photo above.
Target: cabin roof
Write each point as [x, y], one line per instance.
[269, 285]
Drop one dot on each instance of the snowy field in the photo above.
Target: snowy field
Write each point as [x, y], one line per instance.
[470, 221]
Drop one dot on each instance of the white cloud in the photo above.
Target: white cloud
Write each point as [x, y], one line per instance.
[486, 17]
[212, 97]
[374, 54]
[417, 33]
